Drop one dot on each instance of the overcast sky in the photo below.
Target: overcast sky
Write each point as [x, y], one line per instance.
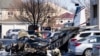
[70, 3]
[65, 3]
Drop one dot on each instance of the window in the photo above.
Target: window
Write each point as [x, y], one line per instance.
[82, 40]
[95, 40]
[94, 11]
[61, 21]
[98, 39]
[10, 13]
[16, 30]
[96, 33]
[85, 34]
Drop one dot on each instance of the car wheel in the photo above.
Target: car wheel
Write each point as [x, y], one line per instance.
[88, 52]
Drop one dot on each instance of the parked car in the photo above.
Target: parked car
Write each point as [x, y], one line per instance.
[84, 34]
[12, 33]
[83, 46]
[96, 46]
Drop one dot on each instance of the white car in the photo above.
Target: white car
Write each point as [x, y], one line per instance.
[12, 33]
[83, 46]
[84, 34]
[96, 47]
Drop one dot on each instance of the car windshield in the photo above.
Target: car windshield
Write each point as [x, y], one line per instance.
[84, 35]
[16, 30]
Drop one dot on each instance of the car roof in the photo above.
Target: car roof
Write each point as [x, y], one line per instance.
[14, 29]
[90, 31]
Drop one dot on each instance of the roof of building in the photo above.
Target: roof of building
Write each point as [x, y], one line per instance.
[65, 15]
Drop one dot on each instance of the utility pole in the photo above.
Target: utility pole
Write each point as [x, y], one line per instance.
[98, 4]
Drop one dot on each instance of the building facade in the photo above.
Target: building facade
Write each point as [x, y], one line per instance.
[8, 20]
[95, 13]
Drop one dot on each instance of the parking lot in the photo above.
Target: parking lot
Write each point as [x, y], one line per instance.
[67, 54]
[3, 53]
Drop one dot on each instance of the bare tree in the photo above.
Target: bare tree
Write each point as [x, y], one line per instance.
[34, 11]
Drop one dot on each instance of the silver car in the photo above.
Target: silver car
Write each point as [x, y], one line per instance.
[83, 46]
[96, 47]
[12, 33]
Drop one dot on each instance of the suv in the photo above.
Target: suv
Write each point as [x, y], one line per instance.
[83, 35]
[12, 33]
[85, 46]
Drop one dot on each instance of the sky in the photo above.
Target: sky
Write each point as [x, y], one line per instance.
[66, 3]
[70, 4]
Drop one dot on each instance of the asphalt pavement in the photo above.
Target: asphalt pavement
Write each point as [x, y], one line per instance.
[67, 54]
[4, 53]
